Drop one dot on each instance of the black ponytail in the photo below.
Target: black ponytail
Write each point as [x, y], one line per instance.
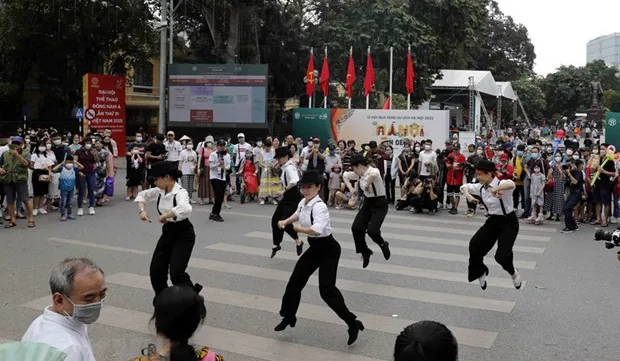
[183, 351]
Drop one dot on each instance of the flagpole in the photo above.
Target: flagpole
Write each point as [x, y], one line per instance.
[367, 95]
[409, 94]
[325, 97]
[350, 55]
[310, 97]
[391, 71]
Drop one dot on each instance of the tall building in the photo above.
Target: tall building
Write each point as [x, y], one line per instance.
[606, 48]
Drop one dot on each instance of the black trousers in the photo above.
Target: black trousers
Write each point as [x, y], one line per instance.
[172, 252]
[500, 229]
[518, 194]
[284, 209]
[573, 200]
[323, 254]
[219, 188]
[369, 220]
[390, 188]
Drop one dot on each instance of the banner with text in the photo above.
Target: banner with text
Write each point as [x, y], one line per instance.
[104, 106]
[313, 122]
[393, 126]
[612, 129]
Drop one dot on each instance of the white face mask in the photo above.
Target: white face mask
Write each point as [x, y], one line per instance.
[417, 149]
[558, 159]
[575, 156]
[56, 141]
[69, 166]
[310, 144]
[190, 146]
[259, 144]
[65, 144]
[88, 146]
[139, 139]
[569, 152]
[427, 147]
[48, 146]
[41, 149]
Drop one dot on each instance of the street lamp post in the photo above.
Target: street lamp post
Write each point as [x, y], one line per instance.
[162, 68]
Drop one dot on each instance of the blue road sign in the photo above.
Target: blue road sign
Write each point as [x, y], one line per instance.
[79, 113]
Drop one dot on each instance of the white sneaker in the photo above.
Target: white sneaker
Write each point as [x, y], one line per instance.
[80, 212]
[516, 279]
[35, 212]
[91, 211]
[42, 211]
[613, 220]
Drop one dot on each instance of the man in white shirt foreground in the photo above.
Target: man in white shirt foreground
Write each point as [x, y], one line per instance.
[78, 290]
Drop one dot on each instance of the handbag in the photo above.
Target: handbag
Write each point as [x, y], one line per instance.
[44, 178]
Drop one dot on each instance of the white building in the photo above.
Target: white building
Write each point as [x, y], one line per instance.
[606, 48]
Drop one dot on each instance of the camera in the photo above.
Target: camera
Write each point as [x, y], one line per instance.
[612, 238]
[564, 166]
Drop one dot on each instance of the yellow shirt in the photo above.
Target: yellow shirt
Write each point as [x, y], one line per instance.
[518, 168]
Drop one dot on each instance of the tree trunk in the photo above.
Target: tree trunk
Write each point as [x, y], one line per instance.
[232, 45]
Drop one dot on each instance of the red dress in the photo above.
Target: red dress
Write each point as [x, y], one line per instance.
[250, 178]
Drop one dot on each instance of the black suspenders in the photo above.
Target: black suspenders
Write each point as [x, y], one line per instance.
[174, 202]
[501, 202]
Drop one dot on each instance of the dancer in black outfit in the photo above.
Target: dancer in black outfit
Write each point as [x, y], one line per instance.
[176, 243]
[502, 226]
[219, 165]
[374, 209]
[323, 254]
[288, 204]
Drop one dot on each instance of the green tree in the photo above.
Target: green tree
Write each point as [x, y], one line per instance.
[532, 97]
[611, 100]
[46, 47]
[504, 47]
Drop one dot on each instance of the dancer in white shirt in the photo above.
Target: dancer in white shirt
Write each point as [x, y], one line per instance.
[176, 243]
[219, 165]
[502, 226]
[288, 204]
[323, 254]
[374, 209]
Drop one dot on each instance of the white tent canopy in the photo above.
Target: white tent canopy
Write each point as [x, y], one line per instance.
[507, 91]
[483, 80]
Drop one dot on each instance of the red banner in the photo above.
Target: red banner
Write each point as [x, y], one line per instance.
[104, 106]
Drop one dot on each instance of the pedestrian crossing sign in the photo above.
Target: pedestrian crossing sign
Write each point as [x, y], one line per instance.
[79, 113]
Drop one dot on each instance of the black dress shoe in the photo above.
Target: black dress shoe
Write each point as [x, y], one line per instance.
[285, 322]
[197, 288]
[300, 249]
[275, 250]
[354, 331]
[366, 258]
[385, 248]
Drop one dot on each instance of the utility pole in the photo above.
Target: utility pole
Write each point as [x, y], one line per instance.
[162, 68]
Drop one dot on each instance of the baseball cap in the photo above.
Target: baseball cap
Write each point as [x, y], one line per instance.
[240, 135]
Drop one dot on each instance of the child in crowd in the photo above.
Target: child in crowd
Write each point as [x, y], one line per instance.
[333, 184]
[68, 170]
[536, 193]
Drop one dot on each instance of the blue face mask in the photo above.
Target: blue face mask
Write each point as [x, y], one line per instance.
[535, 155]
[519, 153]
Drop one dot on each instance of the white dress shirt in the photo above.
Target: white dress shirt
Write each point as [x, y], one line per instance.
[493, 204]
[215, 171]
[62, 333]
[174, 149]
[178, 195]
[290, 175]
[315, 210]
[376, 188]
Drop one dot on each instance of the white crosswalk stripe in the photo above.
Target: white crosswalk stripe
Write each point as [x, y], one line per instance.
[245, 255]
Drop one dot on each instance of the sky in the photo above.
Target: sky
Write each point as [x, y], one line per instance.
[560, 29]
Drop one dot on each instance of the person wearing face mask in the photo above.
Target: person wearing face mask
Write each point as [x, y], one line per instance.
[427, 162]
[323, 254]
[42, 162]
[501, 227]
[205, 189]
[470, 175]
[406, 164]
[187, 162]
[14, 166]
[60, 153]
[518, 177]
[332, 159]
[554, 195]
[67, 171]
[306, 151]
[88, 157]
[78, 292]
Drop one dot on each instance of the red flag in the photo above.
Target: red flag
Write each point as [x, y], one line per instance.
[410, 74]
[310, 76]
[369, 79]
[386, 105]
[324, 80]
[350, 75]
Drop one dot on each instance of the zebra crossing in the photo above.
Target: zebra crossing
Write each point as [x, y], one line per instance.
[426, 278]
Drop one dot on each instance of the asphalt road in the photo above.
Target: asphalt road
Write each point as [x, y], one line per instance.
[565, 311]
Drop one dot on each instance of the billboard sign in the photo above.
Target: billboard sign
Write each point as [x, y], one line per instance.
[104, 106]
[217, 95]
